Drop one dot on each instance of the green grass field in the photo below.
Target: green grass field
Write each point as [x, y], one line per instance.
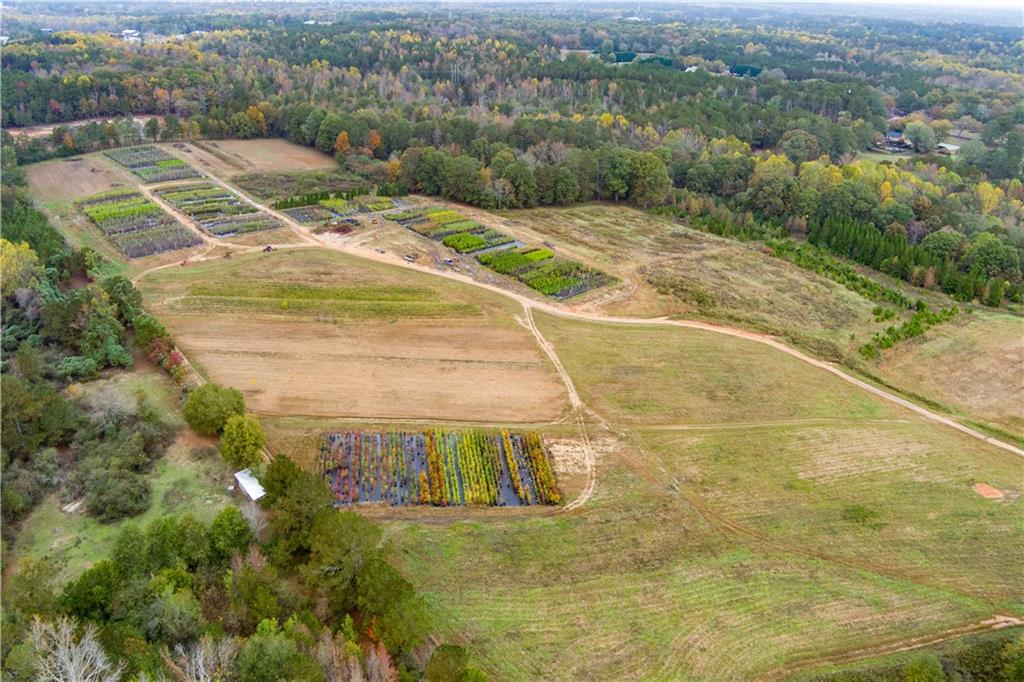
[752, 514]
[668, 269]
[667, 375]
[305, 282]
[972, 366]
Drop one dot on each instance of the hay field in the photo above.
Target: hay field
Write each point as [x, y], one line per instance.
[315, 332]
[60, 180]
[226, 158]
[973, 365]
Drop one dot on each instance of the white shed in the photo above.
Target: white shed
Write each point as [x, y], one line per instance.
[248, 483]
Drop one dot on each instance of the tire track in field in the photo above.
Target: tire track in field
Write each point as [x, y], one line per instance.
[589, 460]
[996, 622]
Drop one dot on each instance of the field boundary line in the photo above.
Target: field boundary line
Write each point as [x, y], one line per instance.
[770, 423]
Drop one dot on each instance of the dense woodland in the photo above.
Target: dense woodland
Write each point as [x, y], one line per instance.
[738, 122]
[728, 119]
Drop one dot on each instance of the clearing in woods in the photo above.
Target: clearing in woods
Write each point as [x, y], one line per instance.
[316, 332]
[67, 179]
[190, 477]
[741, 495]
[226, 158]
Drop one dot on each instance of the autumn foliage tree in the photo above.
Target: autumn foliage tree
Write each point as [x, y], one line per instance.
[341, 143]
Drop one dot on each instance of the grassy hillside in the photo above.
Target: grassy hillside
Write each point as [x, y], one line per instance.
[971, 367]
[718, 548]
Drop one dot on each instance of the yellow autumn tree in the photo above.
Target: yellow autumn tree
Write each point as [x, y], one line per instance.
[989, 196]
[885, 190]
[19, 265]
[258, 118]
[341, 143]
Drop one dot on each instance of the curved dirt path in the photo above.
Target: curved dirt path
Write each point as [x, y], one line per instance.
[996, 622]
[589, 460]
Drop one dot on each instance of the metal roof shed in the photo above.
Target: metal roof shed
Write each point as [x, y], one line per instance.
[251, 486]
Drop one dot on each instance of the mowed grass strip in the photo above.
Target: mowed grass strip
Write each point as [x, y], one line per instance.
[290, 291]
[373, 308]
[353, 301]
[310, 282]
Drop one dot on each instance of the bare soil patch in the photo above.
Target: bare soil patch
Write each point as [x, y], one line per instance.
[231, 157]
[988, 492]
[46, 129]
[67, 179]
[282, 235]
[406, 369]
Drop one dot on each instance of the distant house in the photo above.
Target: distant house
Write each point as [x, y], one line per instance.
[130, 35]
[310, 22]
[691, 69]
[249, 485]
[946, 148]
[895, 142]
[4, 39]
[47, 31]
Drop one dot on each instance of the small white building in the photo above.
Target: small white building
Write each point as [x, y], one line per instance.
[249, 485]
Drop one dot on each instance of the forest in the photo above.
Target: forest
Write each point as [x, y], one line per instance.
[716, 116]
